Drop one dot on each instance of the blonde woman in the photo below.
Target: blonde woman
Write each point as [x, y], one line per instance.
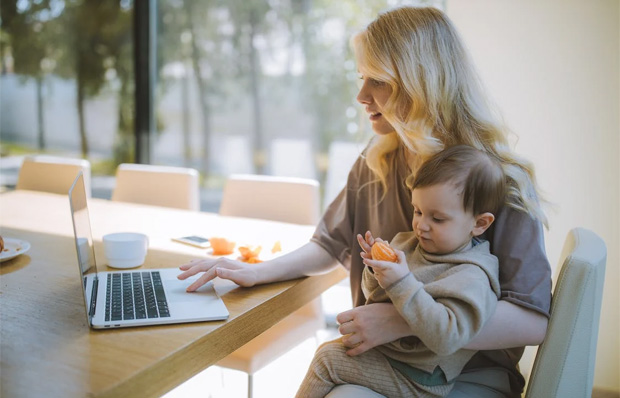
[422, 94]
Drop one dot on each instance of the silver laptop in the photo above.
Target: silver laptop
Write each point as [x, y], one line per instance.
[134, 297]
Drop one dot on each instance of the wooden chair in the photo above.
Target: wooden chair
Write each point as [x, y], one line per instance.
[165, 186]
[564, 363]
[53, 174]
[283, 199]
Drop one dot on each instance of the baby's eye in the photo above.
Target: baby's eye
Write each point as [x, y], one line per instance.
[438, 220]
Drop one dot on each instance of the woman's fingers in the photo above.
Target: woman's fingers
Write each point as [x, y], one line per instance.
[193, 268]
[345, 316]
[187, 266]
[359, 348]
[206, 277]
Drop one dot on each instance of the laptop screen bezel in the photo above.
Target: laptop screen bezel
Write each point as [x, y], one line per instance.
[84, 246]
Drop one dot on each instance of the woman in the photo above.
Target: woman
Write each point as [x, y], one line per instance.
[422, 94]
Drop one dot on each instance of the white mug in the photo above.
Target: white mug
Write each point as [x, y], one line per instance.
[125, 249]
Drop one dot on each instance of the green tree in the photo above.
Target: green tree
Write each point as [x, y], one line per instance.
[27, 37]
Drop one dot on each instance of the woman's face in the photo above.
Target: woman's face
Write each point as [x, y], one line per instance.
[374, 95]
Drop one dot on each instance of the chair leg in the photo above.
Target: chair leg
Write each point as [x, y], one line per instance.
[250, 385]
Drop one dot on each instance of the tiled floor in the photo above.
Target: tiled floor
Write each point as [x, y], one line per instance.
[281, 378]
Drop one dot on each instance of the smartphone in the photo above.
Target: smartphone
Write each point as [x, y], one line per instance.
[194, 240]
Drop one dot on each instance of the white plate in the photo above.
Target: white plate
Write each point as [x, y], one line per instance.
[13, 248]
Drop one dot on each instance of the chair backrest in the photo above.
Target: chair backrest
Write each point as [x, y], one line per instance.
[564, 364]
[286, 199]
[53, 174]
[166, 186]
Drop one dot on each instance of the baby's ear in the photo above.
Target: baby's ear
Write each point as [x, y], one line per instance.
[483, 221]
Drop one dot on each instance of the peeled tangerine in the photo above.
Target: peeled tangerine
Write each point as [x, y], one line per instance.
[383, 251]
[221, 246]
[248, 252]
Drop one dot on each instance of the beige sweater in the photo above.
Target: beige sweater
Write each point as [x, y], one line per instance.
[445, 299]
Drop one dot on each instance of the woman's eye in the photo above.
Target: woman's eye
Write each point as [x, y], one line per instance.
[372, 81]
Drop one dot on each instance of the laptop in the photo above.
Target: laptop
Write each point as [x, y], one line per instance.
[135, 297]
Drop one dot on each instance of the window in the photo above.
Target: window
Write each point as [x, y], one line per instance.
[261, 86]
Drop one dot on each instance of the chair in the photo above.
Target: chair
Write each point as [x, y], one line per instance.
[285, 199]
[564, 363]
[165, 186]
[292, 200]
[52, 174]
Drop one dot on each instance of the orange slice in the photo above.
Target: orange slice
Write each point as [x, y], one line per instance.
[221, 246]
[249, 252]
[277, 247]
[383, 251]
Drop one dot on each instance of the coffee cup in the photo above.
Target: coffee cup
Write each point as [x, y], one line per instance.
[125, 249]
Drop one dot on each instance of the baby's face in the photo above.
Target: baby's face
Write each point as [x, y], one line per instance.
[439, 220]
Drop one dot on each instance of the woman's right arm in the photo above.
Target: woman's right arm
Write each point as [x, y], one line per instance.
[309, 259]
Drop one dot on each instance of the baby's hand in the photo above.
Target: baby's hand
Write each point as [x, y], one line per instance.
[388, 272]
[365, 243]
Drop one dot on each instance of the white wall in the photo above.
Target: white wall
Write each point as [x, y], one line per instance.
[552, 67]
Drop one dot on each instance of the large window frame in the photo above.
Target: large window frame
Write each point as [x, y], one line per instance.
[145, 35]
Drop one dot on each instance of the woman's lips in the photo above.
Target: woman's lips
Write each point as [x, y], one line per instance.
[375, 116]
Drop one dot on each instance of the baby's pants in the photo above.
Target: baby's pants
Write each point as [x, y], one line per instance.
[331, 366]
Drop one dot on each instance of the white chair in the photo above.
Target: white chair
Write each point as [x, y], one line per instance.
[53, 174]
[564, 364]
[286, 199]
[165, 186]
[281, 199]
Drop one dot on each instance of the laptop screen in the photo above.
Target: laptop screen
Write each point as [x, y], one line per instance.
[84, 243]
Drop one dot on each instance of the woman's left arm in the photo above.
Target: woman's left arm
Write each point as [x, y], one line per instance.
[510, 326]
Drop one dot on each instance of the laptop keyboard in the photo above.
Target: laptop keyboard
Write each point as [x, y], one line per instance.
[135, 295]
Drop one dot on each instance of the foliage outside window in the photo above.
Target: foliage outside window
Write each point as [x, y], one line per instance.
[234, 76]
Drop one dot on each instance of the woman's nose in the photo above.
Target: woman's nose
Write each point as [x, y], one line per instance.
[363, 97]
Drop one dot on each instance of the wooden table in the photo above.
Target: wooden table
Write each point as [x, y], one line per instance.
[47, 348]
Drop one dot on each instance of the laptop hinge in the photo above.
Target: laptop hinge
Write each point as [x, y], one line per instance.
[93, 297]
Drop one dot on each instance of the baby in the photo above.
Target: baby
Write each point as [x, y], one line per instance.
[444, 283]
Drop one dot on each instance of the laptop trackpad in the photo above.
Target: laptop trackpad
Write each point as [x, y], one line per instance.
[175, 289]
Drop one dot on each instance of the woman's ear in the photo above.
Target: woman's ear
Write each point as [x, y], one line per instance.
[483, 221]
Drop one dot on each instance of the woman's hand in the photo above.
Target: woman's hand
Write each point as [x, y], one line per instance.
[371, 325]
[239, 272]
[309, 259]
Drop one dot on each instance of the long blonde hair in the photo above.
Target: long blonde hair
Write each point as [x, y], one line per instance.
[437, 100]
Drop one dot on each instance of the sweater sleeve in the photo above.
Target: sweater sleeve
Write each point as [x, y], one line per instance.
[447, 313]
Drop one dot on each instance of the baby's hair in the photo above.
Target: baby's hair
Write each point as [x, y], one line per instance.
[478, 175]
